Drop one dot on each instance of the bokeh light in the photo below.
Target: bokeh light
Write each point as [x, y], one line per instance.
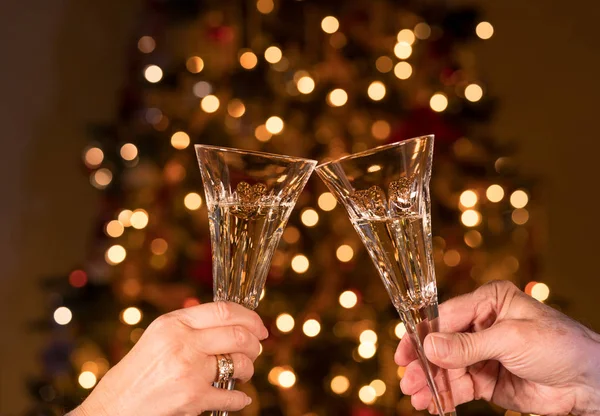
[519, 199]
[327, 201]
[309, 217]
[406, 35]
[368, 336]
[248, 60]
[402, 50]
[438, 102]
[63, 315]
[153, 73]
[337, 98]
[340, 384]
[540, 291]
[367, 395]
[470, 218]
[124, 217]
[274, 125]
[128, 151]
[494, 193]
[311, 328]
[192, 201]
[101, 178]
[305, 84]
[265, 6]
[262, 134]
[236, 108]
[484, 30]
[400, 330]
[115, 254]
[139, 219]
[180, 140]
[452, 258]
[273, 54]
[473, 238]
[381, 129]
[146, 44]
[300, 264]
[520, 216]
[384, 64]
[93, 157]
[87, 380]
[330, 24]
[348, 299]
[367, 350]
[422, 31]
[131, 316]
[114, 229]
[202, 89]
[473, 92]
[468, 198]
[286, 379]
[285, 322]
[376, 91]
[403, 70]
[379, 387]
[194, 64]
[159, 246]
[210, 104]
[78, 278]
[344, 253]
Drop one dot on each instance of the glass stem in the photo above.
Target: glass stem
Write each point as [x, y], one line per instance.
[228, 385]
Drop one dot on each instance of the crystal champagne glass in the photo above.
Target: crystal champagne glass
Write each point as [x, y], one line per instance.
[250, 196]
[386, 193]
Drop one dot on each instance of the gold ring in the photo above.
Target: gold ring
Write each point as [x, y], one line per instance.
[225, 368]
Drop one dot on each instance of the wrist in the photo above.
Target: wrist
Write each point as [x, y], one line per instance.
[99, 403]
[587, 398]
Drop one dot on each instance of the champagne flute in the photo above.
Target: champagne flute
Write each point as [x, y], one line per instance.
[395, 227]
[250, 196]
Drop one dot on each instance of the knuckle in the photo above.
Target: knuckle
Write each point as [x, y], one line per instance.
[223, 311]
[241, 336]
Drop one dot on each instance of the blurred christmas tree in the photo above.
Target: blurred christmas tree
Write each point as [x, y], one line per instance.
[304, 78]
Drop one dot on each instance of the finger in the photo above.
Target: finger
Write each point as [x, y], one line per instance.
[414, 379]
[217, 314]
[405, 353]
[421, 399]
[243, 367]
[462, 392]
[221, 399]
[227, 340]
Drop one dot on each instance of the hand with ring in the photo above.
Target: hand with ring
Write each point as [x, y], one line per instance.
[172, 368]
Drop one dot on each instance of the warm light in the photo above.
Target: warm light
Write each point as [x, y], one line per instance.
[87, 379]
[344, 253]
[262, 134]
[195, 64]
[90, 366]
[248, 60]
[210, 104]
[338, 40]
[379, 387]
[273, 376]
[285, 322]
[101, 178]
[519, 199]
[300, 264]
[131, 316]
[129, 151]
[473, 238]
[400, 372]
[202, 89]
[93, 157]
[192, 201]
[146, 44]
[376, 91]
[470, 218]
[438, 102]
[540, 291]
[78, 278]
[367, 395]
[468, 199]
[367, 350]
[327, 201]
[114, 229]
[400, 330]
[494, 193]
[330, 24]
[274, 125]
[384, 64]
[381, 129]
[311, 328]
[368, 336]
[406, 35]
[153, 73]
[309, 217]
[337, 97]
[286, 379]
[422, 30]
[291, 235]
[484, 30]
[159, 246]
[473, 92]
[262, 294]
[374, 168]
[340, 384]
[236, 108]
[265, 6]
[273, 54]
[403, 70]
[139, 219]
[452, 258]
[180, 140]
[348, 299]
[63, 315]
[305, 85]
[520, 216]
[402, 50]
[125, 217]
[115, 255]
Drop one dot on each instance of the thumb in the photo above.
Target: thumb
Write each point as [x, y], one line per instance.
[458, 350]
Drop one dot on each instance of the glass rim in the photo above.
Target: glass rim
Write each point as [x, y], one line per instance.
[256, 153]
[375, 150]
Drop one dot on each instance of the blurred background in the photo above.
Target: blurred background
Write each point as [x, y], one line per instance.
[102, 101]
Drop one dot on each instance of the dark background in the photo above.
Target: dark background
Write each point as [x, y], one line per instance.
[62, 62]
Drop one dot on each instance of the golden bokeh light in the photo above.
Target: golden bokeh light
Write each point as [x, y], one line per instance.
[139, 219]
[90, 366]
[101, 178]
[403, 70]
[309, 217]
[473, 92]
[146, 44]
[384, 64]
[519, 199]
[337, 98]
[114, 229]
[248, 60]
[300, 264]
[422, 31]
[540, 291]
[273, 376]
[87, 380]
[470, 218]
[494, 193]
[367, 395]
[327, 201]
[400, 330]
[468, 198]
[438, 102]
[131, 316]
[376, 90]
[291, 234]
[115, 254]
[159, 246]
[484, 30]
[400, 372]
[452, 258]
[274, 125]
[62, 315]
[339, 384]
[128, 151]
[311, 328]
[330, 24]
[368, 336]
[124, 217]
[402, 50]
[406, 35]
[305, 85]
[348, 299]
[194, 64]
[379, 387]
[520, 216]
[338, 40]
[286, 379]
[273, 54]
[180, 140]
[236, 108]
[381, 129]
[473, 238]
[285, 322]
[210, 104]
[153, 73]
[367, 350]
[344, 253]
[262, 134]
[93, 157]
[192, 201]
[265, 6]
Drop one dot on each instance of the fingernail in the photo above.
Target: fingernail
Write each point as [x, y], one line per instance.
[248, 400]
[441, 344]
[265, 333]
